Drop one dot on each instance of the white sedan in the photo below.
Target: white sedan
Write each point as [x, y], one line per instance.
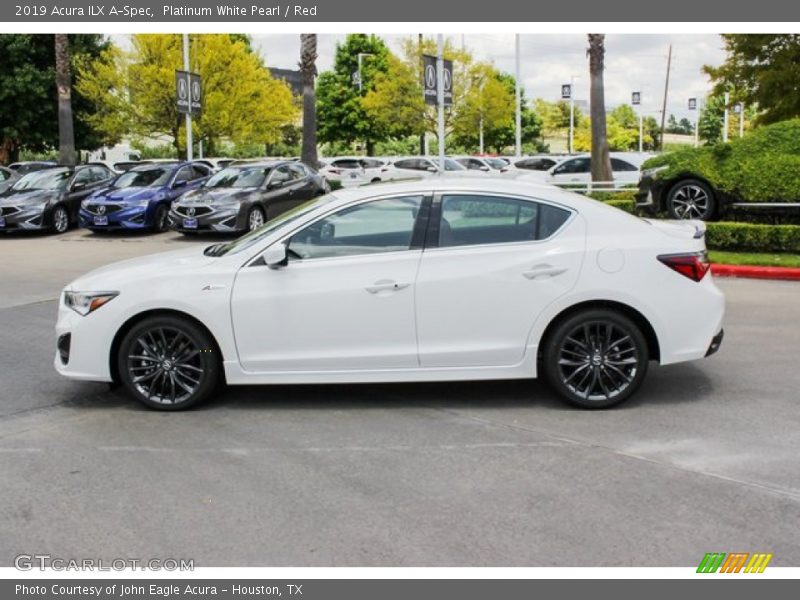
[576, 171]
[432, 280]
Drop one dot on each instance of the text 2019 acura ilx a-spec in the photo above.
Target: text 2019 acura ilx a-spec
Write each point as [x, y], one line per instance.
[432, 280]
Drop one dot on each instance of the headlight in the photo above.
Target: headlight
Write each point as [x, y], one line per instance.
[652, 172]
[85, 302]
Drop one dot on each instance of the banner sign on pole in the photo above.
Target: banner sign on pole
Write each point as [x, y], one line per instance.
[430, 83]
[188, 93]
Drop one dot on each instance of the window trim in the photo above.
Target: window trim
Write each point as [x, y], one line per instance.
[432, 235]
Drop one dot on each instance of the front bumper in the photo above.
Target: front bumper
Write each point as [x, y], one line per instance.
[83, 344]
[24, 217]
[647, 197]
[208, 218]
[134, 217]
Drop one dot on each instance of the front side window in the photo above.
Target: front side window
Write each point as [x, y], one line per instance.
[379, 226]
[280, 176]
[469, 220]
[574, 166]
[411, 163]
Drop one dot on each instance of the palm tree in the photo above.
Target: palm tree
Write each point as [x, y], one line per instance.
[308, 69]
[601, 162]
[66, 135]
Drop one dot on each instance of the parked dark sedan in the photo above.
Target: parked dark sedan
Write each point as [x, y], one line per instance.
[28, 166]
[241, 198]
[50, 198]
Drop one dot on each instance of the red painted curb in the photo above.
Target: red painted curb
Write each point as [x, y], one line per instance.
[751, 272]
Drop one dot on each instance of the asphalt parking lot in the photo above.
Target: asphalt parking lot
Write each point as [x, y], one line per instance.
[704, 459]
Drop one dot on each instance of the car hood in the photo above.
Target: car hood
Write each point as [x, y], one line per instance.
[214, 195]
[127, 273]
[125, 194]
[25, 196]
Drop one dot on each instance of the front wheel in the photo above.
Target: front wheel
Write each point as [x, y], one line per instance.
[596, 358]
[161, 219]
[168, 363]
[691, 199]
[255, 218]
[60, 219]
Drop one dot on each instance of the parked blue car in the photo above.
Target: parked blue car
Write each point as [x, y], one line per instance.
[140, 198]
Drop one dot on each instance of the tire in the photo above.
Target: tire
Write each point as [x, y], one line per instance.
[586, 372]
[168, 363]
[255, 218]
[161, 219]
[60, 219]
[691, 199]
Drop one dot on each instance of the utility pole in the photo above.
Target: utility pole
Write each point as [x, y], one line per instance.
[189, 143]
[518, 97]
[666, 92]
[741, 119]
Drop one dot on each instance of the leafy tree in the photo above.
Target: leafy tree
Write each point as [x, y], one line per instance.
[28, 94]
[488, 106]
[341, 116]
[601, 161]
[396, 102]
[554, 117]
[136, 92]
[762, 70]
[308, 67]
[712, 118]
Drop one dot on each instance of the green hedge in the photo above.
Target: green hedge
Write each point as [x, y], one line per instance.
[763, 166]
[616, 195]
[753, 238]
[741, 237]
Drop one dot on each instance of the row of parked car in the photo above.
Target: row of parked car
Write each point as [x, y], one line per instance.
[227, 195]
[186, 196]
[568, 170]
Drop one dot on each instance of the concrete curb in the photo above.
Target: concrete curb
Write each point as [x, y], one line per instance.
[753, 272]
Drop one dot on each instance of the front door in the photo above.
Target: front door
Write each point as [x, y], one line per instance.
[344, 301]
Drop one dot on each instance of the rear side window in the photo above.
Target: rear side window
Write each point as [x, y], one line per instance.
[298, 171]
[621, 165]
[469, 220]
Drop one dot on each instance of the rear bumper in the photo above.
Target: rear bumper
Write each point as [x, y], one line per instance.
[716, 342]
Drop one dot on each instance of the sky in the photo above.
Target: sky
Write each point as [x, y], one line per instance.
[633, 63]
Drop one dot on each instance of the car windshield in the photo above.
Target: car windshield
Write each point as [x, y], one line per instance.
[495, 163]
[450, 165]
[239, 177]
[259, 234]
[145, 178]
[50, 179]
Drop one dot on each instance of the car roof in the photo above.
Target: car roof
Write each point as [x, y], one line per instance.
[479, 185]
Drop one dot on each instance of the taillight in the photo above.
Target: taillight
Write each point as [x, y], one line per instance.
[694, 266]
[504, 170]
[384, 169]
[335, 171]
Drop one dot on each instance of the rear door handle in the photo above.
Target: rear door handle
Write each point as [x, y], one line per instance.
[542, 271]
[386, 286]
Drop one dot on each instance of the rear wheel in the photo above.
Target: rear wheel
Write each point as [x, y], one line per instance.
[168, 363]
[596, 358]
[691, 199]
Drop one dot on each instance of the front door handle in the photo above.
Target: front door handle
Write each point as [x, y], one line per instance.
[542, 271]
[386, 286]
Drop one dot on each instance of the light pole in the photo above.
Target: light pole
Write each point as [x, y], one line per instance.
[189, 142]
[440, 98]
[571, 114]
[725, 118]
[361, 56]
[518, 101]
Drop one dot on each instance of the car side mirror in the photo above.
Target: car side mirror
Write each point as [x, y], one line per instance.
[276, 256]
[180, 183]
[78, 186]
[274, 185]
[484, 168]
[432, 170]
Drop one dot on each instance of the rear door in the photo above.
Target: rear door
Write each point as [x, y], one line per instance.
[491, 264]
